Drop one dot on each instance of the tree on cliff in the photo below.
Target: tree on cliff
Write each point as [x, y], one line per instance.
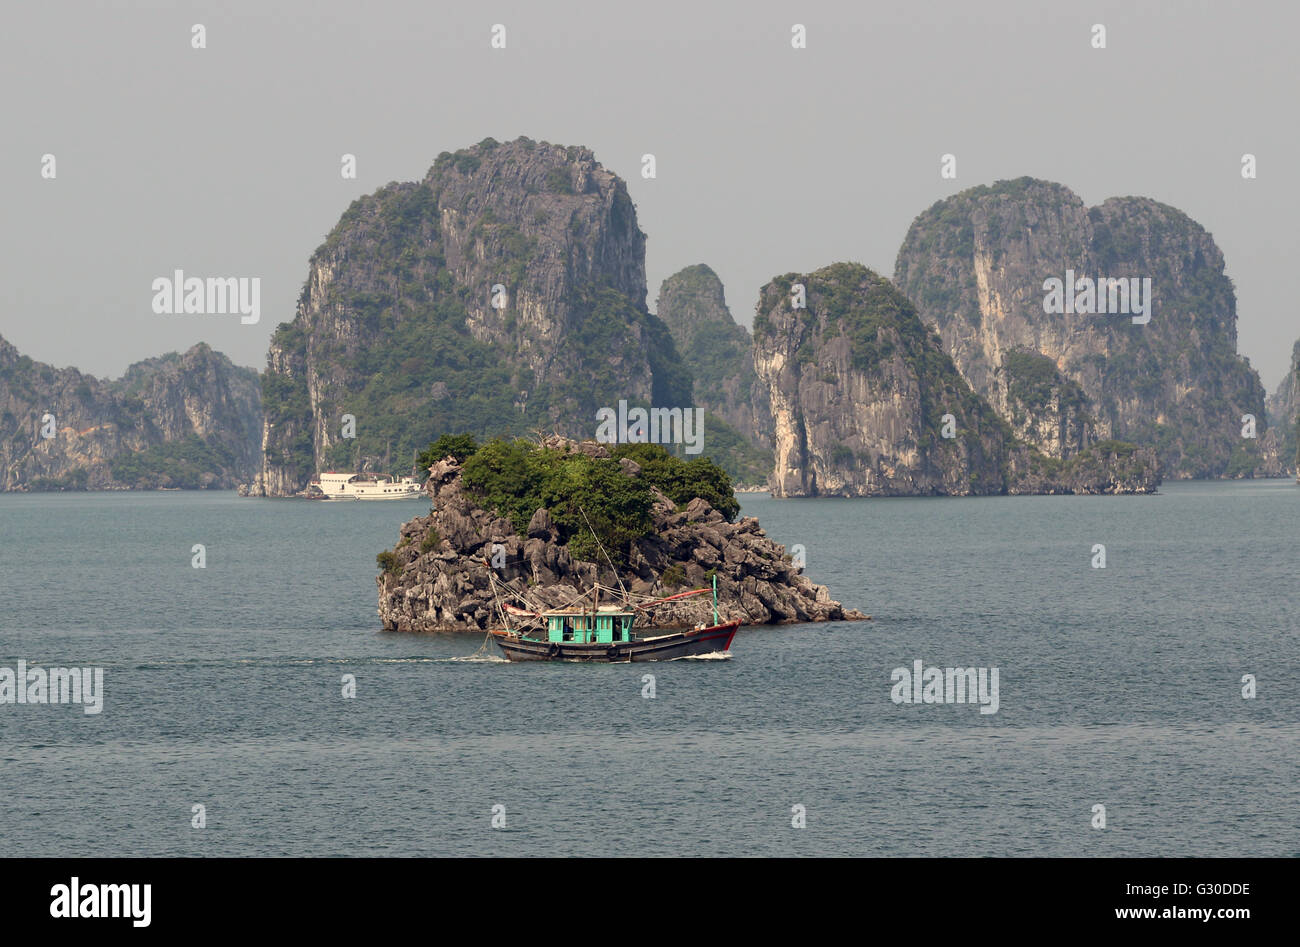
[608, 495]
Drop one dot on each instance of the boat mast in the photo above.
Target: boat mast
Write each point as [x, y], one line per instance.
[715, 598]
[617, 578]
[496, 595]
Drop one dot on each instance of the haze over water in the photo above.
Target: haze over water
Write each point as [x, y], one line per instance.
[1118, 686]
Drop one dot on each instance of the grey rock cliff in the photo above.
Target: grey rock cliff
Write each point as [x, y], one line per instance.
[189, 419]
[718, 351]
[862, 395]
[1283, 408]
[975, 266]
[503, 293]
[442, 582]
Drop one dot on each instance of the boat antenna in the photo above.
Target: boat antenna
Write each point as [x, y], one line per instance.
[617, 578]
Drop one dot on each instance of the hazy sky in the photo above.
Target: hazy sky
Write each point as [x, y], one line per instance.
[225, 161]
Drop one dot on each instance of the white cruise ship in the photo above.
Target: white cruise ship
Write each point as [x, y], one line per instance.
[353, 486]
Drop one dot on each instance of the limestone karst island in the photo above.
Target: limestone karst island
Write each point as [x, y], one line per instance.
[457, 337]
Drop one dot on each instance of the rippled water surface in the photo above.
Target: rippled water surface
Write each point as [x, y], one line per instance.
[1118, 686]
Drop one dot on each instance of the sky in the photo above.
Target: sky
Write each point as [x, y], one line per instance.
[225, 161]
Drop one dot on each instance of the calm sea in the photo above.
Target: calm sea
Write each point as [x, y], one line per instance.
[1119, 687]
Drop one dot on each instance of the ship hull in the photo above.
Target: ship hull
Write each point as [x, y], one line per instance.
[668, 647]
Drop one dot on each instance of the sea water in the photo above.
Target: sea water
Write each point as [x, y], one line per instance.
[223, 688]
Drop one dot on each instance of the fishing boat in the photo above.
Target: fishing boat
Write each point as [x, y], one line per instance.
[589, 631]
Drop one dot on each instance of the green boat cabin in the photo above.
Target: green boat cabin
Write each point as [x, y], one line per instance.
[608, 624]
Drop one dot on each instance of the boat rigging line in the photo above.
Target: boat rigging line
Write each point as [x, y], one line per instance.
[627, 598]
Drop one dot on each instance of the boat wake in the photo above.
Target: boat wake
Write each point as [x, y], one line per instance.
[473, 659]
[275, 662]
[711, 656]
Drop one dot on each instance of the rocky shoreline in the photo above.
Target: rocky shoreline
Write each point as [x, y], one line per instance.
[441, 573]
